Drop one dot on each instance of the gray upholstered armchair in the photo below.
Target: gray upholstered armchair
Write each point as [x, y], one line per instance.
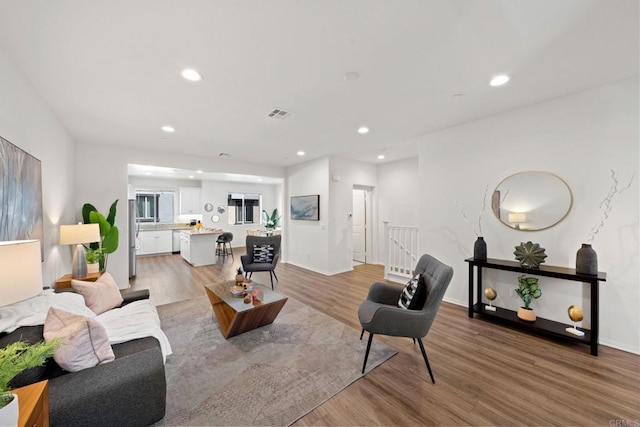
[380, 314]
[263, 253]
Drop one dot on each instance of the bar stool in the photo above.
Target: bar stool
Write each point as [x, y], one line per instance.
[223, 245]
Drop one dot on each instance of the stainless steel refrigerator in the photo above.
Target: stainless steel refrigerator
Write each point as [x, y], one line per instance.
[133, 234]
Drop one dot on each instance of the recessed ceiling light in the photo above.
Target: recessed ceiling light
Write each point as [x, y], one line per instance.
[381, 156]
[168, 129]
[148, 173]
[191, 75]
[351, 75]
[300, 153]
[191, 176]
[198, 171]
[363, 130]
[499, 80]
[259, 179]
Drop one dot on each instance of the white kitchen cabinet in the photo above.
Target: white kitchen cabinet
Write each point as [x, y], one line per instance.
[199, 248]
[155, 242]
[190, 200]
[185, 246]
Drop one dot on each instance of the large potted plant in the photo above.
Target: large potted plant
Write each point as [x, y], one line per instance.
[527, 290]
[15, 358]
[108, 232]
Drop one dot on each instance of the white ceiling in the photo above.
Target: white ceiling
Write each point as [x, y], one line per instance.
[110, 70]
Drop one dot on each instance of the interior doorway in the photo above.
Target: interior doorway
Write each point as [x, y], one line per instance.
[360, 224]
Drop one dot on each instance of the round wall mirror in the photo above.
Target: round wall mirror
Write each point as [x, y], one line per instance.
[531, 201]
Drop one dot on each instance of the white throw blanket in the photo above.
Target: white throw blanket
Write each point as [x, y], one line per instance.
[138, 319]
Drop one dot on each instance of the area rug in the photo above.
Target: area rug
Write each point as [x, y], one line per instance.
[270, 376]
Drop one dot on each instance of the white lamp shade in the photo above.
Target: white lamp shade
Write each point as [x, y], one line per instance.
[20, 270]
[517, 218]
[79, 233]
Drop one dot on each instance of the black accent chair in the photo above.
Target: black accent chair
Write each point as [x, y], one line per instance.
[249, 264]
[223, 245]
[380, 314]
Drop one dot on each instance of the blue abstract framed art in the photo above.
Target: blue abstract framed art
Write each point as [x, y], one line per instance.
[20, 195]
[305, 208]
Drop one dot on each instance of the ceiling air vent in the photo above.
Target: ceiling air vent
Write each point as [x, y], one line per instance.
[279, 114]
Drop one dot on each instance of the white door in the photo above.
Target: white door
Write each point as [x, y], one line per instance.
[359, 225]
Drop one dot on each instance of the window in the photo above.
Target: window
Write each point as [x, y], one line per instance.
[244, 208]
[154, 206]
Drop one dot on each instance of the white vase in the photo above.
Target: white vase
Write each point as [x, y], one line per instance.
[9, 414]
[94, 267]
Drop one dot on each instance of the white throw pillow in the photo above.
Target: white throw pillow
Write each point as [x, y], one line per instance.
[83, 341]
[101, 295]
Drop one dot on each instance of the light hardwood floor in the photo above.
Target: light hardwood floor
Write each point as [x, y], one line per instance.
[485, 374]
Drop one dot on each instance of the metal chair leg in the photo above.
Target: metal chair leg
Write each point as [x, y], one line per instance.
[361, 334]
[274, 274]
[366, 355]
[271, 277]
[426, 360]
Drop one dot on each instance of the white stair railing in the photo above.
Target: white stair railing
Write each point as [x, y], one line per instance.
[401, 252]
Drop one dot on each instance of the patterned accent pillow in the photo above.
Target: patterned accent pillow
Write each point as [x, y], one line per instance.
[414, 294]
[263, 253]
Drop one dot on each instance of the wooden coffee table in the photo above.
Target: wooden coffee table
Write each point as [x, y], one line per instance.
[234, 316]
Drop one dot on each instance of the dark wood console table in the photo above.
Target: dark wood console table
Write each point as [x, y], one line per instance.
[540, 326]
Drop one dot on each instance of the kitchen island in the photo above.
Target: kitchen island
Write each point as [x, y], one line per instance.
[199, 247]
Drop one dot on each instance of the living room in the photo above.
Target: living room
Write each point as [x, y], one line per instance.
[579, 129]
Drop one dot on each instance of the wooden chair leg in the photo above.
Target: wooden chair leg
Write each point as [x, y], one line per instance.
[366, 355]
[426, 360]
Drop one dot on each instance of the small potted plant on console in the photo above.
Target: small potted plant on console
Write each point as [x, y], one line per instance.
[527, 290]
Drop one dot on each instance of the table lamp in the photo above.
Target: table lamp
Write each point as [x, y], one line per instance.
[20, 270]
[517, 219]
[77, 235]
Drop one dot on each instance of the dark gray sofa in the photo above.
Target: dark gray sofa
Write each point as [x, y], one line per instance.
[130, 391]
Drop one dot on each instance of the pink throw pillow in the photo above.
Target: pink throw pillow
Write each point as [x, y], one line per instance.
[101, 295]
[83, 340]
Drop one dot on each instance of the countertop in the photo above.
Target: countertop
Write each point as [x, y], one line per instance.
[203, 231]
[164, 226]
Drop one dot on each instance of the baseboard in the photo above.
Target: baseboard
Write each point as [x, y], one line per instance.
[456, 302]
[315, 270]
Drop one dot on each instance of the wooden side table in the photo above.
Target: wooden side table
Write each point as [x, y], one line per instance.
[33, 401]
[65, 281]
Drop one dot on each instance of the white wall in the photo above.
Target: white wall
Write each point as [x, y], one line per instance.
[399, 193]
[308, 241]
[101, 177]
[580, 138]
[27, 122]
[344, 175]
